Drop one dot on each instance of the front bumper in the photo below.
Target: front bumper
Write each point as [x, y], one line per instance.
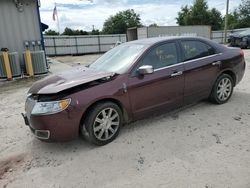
[238, 42]
[40, 134]
[59, 127]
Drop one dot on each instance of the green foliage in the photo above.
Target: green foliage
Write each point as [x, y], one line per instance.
[215, 19]
[51, 32]
[153, 25]
[244, 13]
[119, 23]
[69, 31]
[183, 16]
[200, 14]
[232, 20]
[95, 32]
[240, 17]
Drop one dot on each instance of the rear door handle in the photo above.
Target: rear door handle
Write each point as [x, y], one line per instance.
[216, 63]
[176, 74]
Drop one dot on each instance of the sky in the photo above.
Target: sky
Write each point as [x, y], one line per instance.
[83, 14]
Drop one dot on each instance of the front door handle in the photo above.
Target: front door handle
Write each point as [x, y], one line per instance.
[216, 63]
[176, 74]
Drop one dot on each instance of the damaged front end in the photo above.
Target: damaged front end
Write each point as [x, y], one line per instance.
[77, 77]
[46, 102]
[42, 97]
[49, 103]
[50, 95]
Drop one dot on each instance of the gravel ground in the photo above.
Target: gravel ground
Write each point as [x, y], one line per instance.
[203, 145]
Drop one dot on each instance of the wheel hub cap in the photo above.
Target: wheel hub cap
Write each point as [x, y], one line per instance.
[224, 89]
[106, 124]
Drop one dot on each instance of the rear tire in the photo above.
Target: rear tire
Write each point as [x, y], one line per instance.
[222, 89]
[103, 123]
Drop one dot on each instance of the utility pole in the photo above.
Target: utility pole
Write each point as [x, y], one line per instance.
[226, 22]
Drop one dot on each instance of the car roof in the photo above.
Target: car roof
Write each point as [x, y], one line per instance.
[151, 41]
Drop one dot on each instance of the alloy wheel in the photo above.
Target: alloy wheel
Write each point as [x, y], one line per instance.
[224, 89]
[106, 124]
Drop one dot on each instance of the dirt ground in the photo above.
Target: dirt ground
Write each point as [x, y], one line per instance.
[203, 146]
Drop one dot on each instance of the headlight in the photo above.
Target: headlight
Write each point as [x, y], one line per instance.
[45, 108]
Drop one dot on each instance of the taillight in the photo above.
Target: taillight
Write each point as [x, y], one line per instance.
[241, 52]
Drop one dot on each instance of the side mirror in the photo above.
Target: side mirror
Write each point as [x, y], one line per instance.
[145, 69]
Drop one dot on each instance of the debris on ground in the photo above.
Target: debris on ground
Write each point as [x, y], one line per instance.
[217, 139]
[237, 118]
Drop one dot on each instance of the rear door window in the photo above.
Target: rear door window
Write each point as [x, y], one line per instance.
[196, 49]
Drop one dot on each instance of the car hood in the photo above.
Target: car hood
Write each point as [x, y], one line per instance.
[236, 35]
[241, 34]
[66, 80]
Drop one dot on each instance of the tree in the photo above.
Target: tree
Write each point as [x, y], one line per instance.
[95, 32]
[81, 32]
[69, 31]
[233, 20]
[153, 25]
[119, 23]
[215, 19]
[183, 15]
[243, 14]
[200, 14]
[51, 32]
[240, 17]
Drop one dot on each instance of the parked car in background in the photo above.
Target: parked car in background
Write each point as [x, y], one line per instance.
[241, 39]
[131, 81]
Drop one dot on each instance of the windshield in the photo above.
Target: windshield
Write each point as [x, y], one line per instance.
[119, 59]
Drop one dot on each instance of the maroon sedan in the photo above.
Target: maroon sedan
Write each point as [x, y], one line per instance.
[131, 81]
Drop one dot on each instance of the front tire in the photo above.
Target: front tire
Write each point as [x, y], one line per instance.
[103, 123]
[222, 89]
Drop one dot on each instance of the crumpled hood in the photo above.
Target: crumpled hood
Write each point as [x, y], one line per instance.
[68, 79]
[236, 35]
[241, 34]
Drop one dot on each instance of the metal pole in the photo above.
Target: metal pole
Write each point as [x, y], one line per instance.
[76, 43]
[54, 42]
[226, 22]
[99, 43]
